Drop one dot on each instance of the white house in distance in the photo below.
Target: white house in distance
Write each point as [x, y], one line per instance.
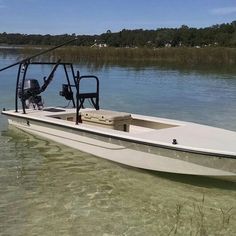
[99, 45]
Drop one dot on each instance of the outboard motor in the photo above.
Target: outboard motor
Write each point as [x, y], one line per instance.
[30, 94]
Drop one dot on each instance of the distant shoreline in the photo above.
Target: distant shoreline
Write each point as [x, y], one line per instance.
[181, 55]
[219, 35]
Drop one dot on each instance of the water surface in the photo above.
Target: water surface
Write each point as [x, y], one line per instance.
[50, 189]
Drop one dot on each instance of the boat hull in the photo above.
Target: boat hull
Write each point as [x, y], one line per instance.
[128, 152]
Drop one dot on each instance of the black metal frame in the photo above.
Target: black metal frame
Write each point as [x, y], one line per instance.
[80, 97]
[21, 76]
[68, 68]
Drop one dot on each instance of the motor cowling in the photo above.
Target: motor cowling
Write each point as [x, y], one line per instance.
[31, 88]
[30, 93]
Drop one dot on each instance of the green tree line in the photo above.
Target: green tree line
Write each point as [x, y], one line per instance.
[222, 35]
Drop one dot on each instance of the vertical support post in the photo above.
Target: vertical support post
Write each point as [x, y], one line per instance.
[22, 87]
[17, 87]
[77, 97]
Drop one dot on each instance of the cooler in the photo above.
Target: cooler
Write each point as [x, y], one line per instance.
[107, 119]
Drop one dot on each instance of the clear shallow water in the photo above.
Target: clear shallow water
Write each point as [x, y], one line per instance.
[49, 189]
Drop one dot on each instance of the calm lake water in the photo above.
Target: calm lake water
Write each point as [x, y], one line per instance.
[50, 189]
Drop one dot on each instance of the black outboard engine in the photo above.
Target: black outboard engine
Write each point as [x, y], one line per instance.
[30, 94]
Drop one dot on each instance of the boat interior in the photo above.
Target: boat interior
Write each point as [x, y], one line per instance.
[113, 120]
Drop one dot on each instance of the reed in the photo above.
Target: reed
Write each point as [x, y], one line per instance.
[181, 56]
[196, 219]
[174, 229]
[199, 221]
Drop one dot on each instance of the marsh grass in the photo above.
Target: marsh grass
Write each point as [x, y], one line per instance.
[183, 56]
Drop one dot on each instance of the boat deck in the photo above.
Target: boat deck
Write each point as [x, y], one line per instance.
[200, 150]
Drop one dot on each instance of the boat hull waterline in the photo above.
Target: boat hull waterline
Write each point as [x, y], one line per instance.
[210, 152]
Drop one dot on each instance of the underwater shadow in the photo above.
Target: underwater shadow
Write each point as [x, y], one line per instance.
[200, 181]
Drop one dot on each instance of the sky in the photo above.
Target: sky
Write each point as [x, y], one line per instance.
[96, 17]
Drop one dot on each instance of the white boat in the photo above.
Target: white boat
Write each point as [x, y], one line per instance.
[144, 142]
